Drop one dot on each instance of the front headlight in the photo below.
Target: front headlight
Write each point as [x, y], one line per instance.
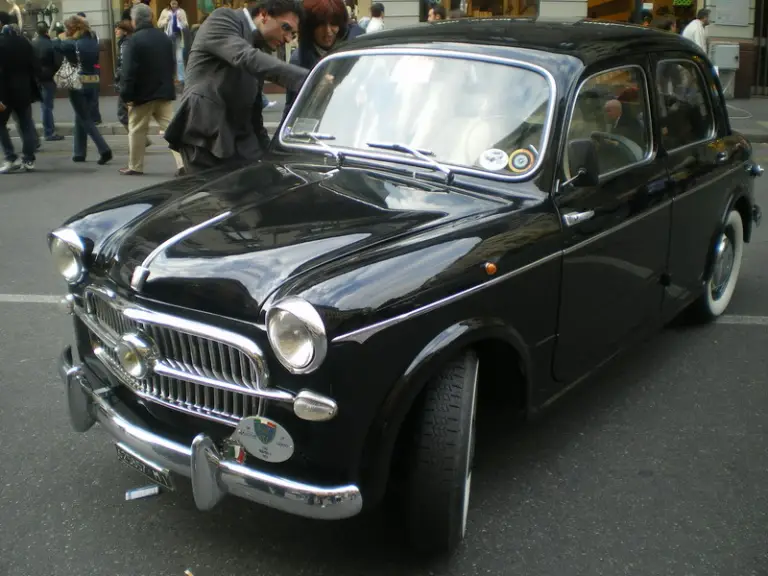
[297, 335]
[67, 250]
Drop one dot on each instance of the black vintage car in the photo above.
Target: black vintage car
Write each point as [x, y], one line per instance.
[449, 211]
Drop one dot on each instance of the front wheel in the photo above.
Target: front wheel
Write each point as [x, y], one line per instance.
[441, 452]
[726, 266]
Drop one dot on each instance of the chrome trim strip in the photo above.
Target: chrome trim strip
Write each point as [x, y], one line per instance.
[212, 475]
[362, 334]
[320, 69]
[141, 272]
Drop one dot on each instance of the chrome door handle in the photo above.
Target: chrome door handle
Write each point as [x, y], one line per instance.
[575, 217]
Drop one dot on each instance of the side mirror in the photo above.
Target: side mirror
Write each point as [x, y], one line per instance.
[582, 158]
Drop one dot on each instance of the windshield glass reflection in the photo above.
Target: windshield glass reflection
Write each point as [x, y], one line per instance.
[465, 113]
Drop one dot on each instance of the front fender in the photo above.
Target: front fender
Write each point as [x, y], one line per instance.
[382, 436]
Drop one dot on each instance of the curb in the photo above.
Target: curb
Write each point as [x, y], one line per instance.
[755, 137]
[106, 129]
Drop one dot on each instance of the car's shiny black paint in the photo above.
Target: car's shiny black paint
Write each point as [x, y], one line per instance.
[374, 262]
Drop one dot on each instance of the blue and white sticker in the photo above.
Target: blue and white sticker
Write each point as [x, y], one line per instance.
[264, 438]
[493, 159]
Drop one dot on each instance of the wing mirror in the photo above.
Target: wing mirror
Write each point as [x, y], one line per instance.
[582, 158]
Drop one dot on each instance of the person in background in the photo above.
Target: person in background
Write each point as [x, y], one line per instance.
[696, 31]
[174, 21]
[436, 12]
[123, 31]
[78, 45]
[18, 90]
[376, 22]
[146, 85]
[95, 110]
[664, 23]
[219, 119]
[325, 26]
[50, 62]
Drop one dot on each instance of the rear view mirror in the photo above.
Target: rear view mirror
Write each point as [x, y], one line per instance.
[582, 159]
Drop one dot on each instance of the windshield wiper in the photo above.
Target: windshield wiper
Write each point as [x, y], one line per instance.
[320, 139]
[419, 153]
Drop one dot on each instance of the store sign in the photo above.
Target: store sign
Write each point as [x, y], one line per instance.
[732, 13]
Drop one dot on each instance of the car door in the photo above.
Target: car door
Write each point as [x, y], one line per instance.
[616, 233]
[702, 164]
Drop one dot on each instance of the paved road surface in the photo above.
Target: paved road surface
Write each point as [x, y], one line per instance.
[657, 467]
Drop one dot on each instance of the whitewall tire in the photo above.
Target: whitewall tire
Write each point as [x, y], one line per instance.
[726, 267]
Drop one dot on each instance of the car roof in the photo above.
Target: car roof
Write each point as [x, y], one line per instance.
[588, 40]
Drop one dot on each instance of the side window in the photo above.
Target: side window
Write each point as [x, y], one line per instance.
[611, 109]
[685, 113]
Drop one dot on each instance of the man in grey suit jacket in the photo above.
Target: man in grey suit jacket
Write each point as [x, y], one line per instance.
[219, 118]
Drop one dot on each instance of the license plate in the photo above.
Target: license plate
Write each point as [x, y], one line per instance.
[158, 475]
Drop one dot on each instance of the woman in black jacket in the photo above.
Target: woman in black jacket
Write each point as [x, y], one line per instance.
[324, 27]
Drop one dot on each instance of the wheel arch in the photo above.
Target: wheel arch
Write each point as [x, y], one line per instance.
[493, 340]
[741, 202]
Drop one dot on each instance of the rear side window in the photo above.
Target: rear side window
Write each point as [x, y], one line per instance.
[685, 111]
[611, 110]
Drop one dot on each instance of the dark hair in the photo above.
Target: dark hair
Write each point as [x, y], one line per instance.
[320, 12]
[377, 10]
[439, 10]
[5, 18]
[42, 28]
[663, 23]
[277, 8]
[703, 13]
[81, 14]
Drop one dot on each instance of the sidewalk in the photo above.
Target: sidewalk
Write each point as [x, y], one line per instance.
[64, 116]
[750, 117]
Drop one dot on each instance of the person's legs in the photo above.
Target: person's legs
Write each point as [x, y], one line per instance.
[80, 138]
[179, 50]
[93, 103]
[11, 163]
[28, 136]
[48, 93]
[138, 126]
[90, 94]
[163, 113]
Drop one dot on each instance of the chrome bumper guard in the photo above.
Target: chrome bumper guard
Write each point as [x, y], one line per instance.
[213, 477]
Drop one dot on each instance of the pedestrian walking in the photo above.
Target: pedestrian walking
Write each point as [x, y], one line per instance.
[80, 49]
[173, 20]
[696, 30]
[49, 61]
[220, 117]
[123, 31]
[96, 87]
[18, 91]
[146, 85]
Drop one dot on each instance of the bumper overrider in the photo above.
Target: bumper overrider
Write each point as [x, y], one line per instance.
[213, 476]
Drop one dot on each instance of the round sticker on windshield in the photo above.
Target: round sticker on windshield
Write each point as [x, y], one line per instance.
[493, 159]
[521, 160]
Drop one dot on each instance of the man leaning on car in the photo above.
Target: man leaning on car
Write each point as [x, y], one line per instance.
[220, 117]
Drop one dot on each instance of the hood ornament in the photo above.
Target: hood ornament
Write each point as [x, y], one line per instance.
[141, 272]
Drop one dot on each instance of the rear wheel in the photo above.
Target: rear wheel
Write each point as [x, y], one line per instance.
[441, 452]
[726, 267]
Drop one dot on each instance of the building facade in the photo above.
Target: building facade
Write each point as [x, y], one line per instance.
[734, 21]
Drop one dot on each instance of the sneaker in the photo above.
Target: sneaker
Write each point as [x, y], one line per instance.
[8, 167]
[28, 165]
[54, 138]
[271, 104]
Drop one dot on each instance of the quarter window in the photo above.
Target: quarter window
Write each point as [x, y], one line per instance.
[611, 110]
[685, 113]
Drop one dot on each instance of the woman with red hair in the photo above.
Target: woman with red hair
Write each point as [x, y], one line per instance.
[325, 25]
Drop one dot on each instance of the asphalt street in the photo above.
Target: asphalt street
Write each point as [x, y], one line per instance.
[657, 466]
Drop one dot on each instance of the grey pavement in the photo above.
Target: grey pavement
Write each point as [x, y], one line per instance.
[655, 467]
[64, 116]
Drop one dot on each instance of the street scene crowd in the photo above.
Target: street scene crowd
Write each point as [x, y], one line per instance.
[219, 117]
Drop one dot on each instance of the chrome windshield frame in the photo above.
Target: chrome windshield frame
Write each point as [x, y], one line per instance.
[320, 69]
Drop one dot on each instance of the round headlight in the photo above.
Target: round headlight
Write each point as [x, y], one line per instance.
[67, 251]
[135, 355]
[297, 335]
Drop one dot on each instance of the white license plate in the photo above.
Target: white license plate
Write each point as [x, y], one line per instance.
[158, 475]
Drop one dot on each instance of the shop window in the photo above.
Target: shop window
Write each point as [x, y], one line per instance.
[685, 111]
[611, 110]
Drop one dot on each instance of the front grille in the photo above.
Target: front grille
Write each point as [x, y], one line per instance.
[232, 387]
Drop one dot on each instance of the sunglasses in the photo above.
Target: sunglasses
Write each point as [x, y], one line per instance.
[288, 29]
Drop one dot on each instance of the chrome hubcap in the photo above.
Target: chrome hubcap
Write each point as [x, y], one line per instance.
[724, 259]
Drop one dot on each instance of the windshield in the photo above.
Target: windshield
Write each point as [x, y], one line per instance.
[469, 114]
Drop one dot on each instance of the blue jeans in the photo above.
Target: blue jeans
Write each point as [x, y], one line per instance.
[27, 133]
[94, 103]
[48, 92]
[179, 52]
[82, 102]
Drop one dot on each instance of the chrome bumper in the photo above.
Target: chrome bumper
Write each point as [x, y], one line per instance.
[213, 477]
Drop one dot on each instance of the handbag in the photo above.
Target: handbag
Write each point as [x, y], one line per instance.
[68, 75]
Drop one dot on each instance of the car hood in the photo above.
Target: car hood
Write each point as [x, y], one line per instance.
[225, 244]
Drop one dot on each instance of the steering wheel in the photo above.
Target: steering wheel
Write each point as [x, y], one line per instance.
[625, 147]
